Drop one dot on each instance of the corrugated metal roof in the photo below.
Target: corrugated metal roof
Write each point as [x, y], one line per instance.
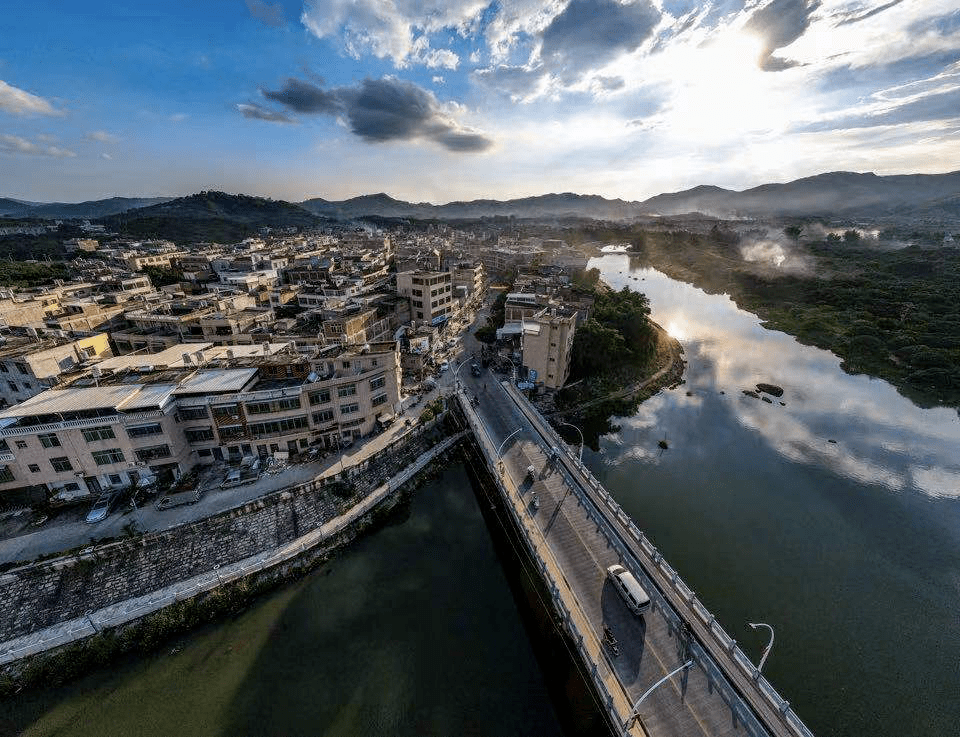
[53, 401]
[150, 395]
[217, 380]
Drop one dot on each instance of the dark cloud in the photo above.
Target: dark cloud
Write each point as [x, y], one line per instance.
[305, 97]
[377, 110]
[258, 112]
[271, 15]
[778, 24]
[855, 16]
[589, 33]
[610, 83]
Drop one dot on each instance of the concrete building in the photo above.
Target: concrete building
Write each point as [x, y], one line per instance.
[141, 424]
[30, 365]
[547, 344]
[430, 294]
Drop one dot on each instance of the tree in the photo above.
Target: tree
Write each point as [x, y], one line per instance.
[596, 348]
[793, 232]
[851, 236]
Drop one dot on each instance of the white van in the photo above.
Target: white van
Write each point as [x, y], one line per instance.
[632, 592]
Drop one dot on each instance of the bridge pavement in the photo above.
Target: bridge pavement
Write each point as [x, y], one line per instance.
[647, 648]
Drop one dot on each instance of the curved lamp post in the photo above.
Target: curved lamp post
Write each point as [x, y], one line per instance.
[580, 454]
[636, 706]
[766, 650]
[500, 449]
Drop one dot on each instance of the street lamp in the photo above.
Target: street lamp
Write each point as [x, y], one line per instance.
[580, 454]
[506, 439]
[766, 650]
[636, 707]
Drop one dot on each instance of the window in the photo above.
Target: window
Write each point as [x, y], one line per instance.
[143, 431]
[115, 478]
[346, 364]
[93, 434]
[153, 452]
[193, 413]
[319, 397]
[49, 440]
[198, 434]
[6, 474]
[21, 444]
[61, 464]
[226, 410]
[22, 368]
[323, 416]
[230, 432]
[34, 468]
[288, 403]
[13, 386]
[288, 424]
[204, 452]
[377, 401]
[347, 391]
[349, 409]
[258, 408]
[378, 382]
[106, 457]
[4, 369]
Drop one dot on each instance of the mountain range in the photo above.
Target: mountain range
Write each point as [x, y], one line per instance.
[927, 197]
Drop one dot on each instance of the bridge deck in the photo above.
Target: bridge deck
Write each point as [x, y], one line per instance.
[572, 535]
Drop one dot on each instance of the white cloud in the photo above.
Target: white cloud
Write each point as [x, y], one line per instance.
[438, 79]
[102, 137]
[19, 102]
[178, 117]
[387, 29]
[106, 156]
[10, 144]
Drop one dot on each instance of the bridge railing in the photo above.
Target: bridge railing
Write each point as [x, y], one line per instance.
[576, 621]
[686, 594]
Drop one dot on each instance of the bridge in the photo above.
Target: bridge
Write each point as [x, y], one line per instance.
[672, 671]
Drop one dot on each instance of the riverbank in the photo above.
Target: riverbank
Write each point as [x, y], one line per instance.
[109, 601]
[890, 314]
[631, 384]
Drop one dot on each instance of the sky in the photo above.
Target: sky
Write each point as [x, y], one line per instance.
[436, 100]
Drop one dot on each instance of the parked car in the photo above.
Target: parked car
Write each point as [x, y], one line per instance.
[104, 505]
[474, 369]
[444, 366]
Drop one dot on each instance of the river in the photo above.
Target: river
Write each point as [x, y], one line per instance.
[850, 549]
[412, 630]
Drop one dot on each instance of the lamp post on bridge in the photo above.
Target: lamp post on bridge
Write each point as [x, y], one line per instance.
[580, 454]
[500, 449]
[634, 712]
[766, 650]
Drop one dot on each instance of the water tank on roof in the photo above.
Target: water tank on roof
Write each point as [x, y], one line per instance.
[187, 359]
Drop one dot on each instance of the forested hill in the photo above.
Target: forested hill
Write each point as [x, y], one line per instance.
[211, 216]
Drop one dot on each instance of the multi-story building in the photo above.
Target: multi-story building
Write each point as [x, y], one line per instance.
[30, 365]
[144, 423]
[430, 294]
[547, 343]
[469, 277]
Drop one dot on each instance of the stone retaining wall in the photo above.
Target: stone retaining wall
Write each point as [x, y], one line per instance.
[42, 594]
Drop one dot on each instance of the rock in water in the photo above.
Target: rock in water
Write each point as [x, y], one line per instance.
[772, 389]
[751, 393]
[767, 400]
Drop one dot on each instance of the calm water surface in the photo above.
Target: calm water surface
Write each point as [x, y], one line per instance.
[410, 631]
[851, 550]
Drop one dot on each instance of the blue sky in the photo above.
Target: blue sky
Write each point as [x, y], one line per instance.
[437, 100]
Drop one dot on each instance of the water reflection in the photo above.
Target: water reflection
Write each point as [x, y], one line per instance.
[881, 437]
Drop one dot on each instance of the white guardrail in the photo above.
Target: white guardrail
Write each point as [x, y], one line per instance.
[694, 607]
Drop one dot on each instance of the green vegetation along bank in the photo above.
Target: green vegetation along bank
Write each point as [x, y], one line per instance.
[893, 314]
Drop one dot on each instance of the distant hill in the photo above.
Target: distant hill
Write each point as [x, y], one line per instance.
[74, 210]
[837, 193]
[214, 216]
[921, 197]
